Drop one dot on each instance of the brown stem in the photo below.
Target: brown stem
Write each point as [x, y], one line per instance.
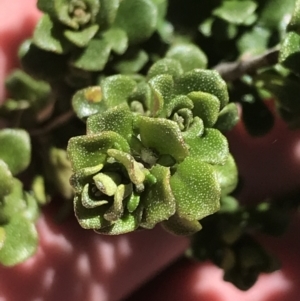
[233, 71]
[55, 123]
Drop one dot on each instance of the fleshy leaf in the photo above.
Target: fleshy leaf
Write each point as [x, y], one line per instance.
[93, 57]
[90, 218]
[158, 200]
[127, 223]
[116, 89]
[290, 52]
[164, 136]
[118, 119]
[18, 203]
[206, 106]
[177, 103]
[108, 12]
[48, 36]
[181, 226]
[131, 62]
[189, 56]
[211, 147]
[134, 170]
[6, 183]
[75, 14]
[15, 149]
[89, 151]
[165, 66]
[227, 175]
[117, 39]
[235, 12]
[83, 37]
[294, 24]
[208, 81]
[20, 241]
[227, 118]
[88, 101]
[137, 18]
[196, 189]
[162, 87]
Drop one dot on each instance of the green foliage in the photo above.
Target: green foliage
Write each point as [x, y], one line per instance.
[149, 146]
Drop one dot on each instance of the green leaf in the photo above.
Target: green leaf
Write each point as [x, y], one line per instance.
[90, 218]
[131, 62]
[294, 24]
[108, 12]
[162, 87]
[158, 200]
[289, 54]
[76, 14]
[189, 56]
[15, 149]
[167, 66]
[6, 183]
[81, 38]
[235, 12]
[88, 151]
[127, 223]
[227, 176]
[48, 36]
[196, 189]
[181, 226]
[87, 102]
[211, 147]
[255, 41]
[208, 81]
[116, 89]
[206, 106]
[118, 119]
[137, 18]
[164, 136]
[18, 203]
[24, 87]
[59, 172]
[117, 39]
[93, 57]
[20, 241]
[227, 118]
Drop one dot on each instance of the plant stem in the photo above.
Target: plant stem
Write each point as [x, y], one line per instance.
[235, 70]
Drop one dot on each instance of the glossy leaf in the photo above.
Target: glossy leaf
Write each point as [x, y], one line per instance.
[88, 101]
[137, 18]
[93, 57]
[6, 183]
[211, 147]
[290, 52]
[158, 200]
[48, 36]
[196, 189]
[208, 81]
[89, 151]
[228, 118]
[83, 37]
[118, 119]
[116, 89]
[227, 176]
[15, 149]
[164, 136]
[20, 241]
[206, 106]
[189, 55]
[181, 226]
[167, 66]
[117, 39]
[235, 12]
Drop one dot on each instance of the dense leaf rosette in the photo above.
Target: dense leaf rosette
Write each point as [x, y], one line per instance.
[133, 171]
